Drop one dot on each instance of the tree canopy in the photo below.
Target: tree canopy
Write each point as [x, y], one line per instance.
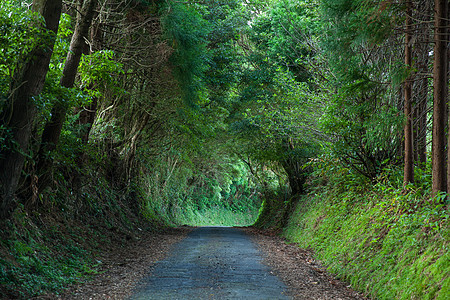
[216, 93]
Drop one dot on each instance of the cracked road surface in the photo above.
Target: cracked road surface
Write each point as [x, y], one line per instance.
[212, 263]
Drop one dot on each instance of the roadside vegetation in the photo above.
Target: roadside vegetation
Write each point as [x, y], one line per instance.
[388, 241]
[324, 119]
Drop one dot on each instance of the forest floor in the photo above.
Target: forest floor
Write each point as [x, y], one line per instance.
[123, 267]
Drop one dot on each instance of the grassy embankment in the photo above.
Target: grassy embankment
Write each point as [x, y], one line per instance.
[389, 242]
[56, 240]
[45, 249]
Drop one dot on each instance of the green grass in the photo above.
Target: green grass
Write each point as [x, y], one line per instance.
[387, 243]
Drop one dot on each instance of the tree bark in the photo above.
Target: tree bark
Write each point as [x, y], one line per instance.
[422, 121]
[440, 97]
[423, 50]
[446, 42]
[21, 112]
[409, 143]
[52, 129]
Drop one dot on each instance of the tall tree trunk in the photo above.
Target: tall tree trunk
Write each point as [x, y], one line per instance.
[52, 129]
[422, 120]
[440, 97]
[423, 15]
[446, 42]
[415, 123]
[409, 146]
[422, 50]
[21, 112]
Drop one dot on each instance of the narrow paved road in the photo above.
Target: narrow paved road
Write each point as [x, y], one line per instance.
[212, 263]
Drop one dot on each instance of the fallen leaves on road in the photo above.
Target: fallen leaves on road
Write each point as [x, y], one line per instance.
[296, 267]
[123, 267]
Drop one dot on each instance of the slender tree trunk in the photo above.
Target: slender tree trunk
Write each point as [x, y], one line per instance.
[440, 97]
[415, 124]
[21, 112]
[408, 130]
[52, 129]
[422, 122]
[422, 46]
[446, 42]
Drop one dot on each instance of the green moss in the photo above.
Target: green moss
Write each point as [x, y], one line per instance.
[387, 243]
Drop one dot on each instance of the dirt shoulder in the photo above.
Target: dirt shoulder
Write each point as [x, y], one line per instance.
[305, 277]
[122, 267]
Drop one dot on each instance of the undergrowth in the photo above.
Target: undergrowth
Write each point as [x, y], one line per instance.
[47, 246]
[276, 207]
[174, 202]
[218, 216]
[388, 241]
[40, 259]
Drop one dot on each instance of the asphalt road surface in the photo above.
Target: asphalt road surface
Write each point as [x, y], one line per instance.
[212, 263]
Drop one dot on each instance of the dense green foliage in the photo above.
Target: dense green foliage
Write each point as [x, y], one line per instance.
[388, 243]
[223, 112]
[46, 250]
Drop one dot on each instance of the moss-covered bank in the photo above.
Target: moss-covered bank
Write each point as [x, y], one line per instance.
[389, 242]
